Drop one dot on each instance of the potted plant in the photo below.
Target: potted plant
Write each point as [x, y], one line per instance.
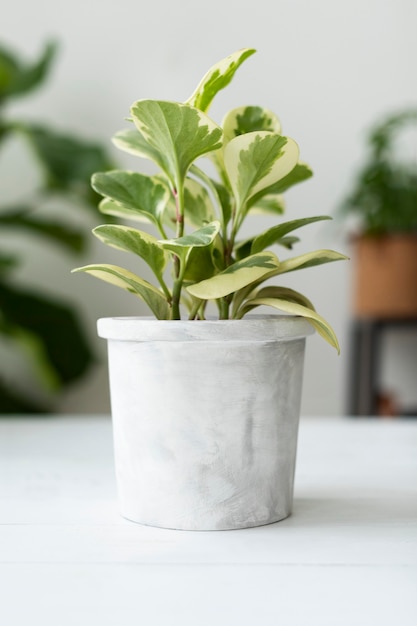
[205, 410]
[383, 207]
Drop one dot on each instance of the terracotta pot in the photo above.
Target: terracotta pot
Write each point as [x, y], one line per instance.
[385, 276]
[205, 418]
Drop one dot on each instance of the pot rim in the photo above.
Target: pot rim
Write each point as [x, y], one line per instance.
[251, 328]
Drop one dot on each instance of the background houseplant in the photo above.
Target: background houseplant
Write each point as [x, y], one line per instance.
[206, 412]
[383, 210]
[46, 329]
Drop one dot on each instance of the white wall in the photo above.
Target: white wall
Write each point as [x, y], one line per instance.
[328, 68]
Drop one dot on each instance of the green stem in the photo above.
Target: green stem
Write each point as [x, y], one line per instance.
[178, 193]
[179, 209]
[223, 305]
[195, 309]
[176, 291]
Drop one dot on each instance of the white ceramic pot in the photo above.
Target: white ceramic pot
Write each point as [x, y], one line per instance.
[205, 418]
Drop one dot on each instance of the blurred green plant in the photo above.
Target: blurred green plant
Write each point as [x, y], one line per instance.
[384, 195]
[48, 330]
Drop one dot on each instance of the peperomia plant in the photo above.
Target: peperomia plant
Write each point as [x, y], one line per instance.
[198, 218]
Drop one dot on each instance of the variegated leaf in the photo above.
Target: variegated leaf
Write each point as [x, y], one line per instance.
[120, 277]
[289, 306]
[178, 132]
[202, 263]
[274, 234]
[235, 277]
[218, 77]
[136, 192]
[298, 174]
[255, 161]
[132, 141]
[309, 259]
[218, 191]
[181, 246]
[110, 207]
[269, 204]
[199, 210]
[247, 119]
[282, 293]
[132, 240]
[244, 248]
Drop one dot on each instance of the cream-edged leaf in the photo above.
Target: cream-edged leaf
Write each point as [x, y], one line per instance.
[282, 293]
[309, 259]
[132, 240]
[199, 210]
[130, 140]
[235, 277]
[119, 277]
[256, 160]
[274, 234]
[200, 238]
[247, 119]
[179, 133]
[136, 192]
[268, 204]
[217, 78]
[110, 207]
[294, 308]
[298, 174]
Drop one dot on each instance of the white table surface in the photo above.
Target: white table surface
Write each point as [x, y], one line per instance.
[347, 555]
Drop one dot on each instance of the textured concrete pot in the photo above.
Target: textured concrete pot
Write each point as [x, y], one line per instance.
[205, 418]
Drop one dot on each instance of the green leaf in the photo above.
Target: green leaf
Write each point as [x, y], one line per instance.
[110, 207]
[270, 204]
[178, 133]
[282, 293]
[8, 262]
[132, 141]
[18, 78]
[199, 209]
[299, 174]
[310, 259]
[20, 218]
[303, 261]
[217, 78]
[274, 234]
[68, 163]
[255, 161]
[289, 306]
[13, 402]
[244, 248]
[139, 287]
[138, 193]
[198, 206]
[132, 240]
[287, 242]
[204, 262]
[201, 238]
[235, 277]
[219, 192]
[51, 328]
[247, 119]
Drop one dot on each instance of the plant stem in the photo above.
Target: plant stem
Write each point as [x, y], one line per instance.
[176, 290]
[178, 193]
[223, 304]
[179, 209]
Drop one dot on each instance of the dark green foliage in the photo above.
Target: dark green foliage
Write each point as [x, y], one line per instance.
[385, 193]
[48, 329]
